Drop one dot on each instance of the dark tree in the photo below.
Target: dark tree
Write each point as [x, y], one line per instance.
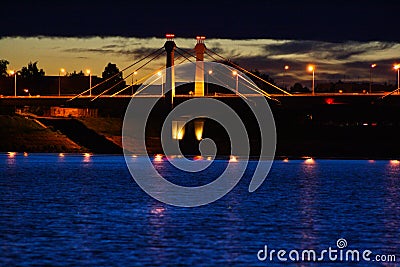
[115, 84]
[31, 71]
[76, 74]
[111, 70]
[297, 87]
[3, 67]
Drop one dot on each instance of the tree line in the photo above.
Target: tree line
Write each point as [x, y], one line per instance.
[32, 71]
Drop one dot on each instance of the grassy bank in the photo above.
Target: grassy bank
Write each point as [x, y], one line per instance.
[22, 134]
[111, 128]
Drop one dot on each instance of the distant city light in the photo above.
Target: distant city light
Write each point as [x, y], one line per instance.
[12, 154]
[198, 158]
[309, 161]
[233, 159]
[158, 157]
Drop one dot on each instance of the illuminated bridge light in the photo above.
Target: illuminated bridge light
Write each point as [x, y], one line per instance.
[198, 129]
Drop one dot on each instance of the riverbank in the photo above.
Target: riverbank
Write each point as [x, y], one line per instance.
[24, 134]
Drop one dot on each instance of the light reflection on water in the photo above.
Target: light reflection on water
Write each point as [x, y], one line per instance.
[87, 210]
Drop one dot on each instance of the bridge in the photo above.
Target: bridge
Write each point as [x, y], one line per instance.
[166, 78]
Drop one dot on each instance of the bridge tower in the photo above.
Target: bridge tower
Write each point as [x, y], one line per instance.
[199, 78]
[169, 47]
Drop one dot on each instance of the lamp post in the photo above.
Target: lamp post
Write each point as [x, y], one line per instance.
[12, 72]
[311, 68]
[370, 77]
[209, 73]
[90, 81]
[285, 69]
[134, 73]
[162, 82]
[62, 70]
[397, 67]
[235, 73]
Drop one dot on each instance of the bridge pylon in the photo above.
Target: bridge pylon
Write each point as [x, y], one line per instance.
[199, 76]
[169, 47]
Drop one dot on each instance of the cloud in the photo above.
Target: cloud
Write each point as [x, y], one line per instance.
[325, 50]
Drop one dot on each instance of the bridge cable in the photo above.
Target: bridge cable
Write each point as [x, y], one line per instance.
[253, 87]
[105, 91]
[106, 80]
[248, 72]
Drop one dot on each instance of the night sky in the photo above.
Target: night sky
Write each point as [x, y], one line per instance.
[300, 20]
[343, 38]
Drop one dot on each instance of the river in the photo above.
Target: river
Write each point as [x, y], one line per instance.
[88, 211]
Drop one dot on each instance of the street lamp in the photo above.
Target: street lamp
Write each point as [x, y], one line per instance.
[62, 70]
[12, 72]
[209, 73]
[285, 69]
[370, 77]
[162, 82]
[397, 67]
[90, 81]
[311, 68]
[235, 73]
[134, 73]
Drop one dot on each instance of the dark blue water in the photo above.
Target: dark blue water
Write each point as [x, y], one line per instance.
[88, 211]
